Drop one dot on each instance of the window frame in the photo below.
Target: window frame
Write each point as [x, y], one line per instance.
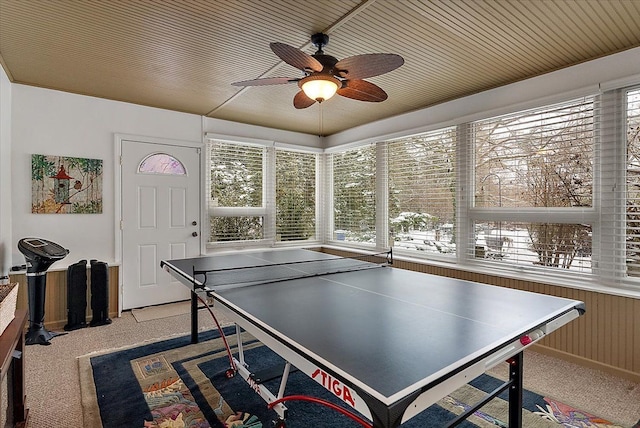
[385, 148]
[214, 210]
[528, 215]
[622, 177]
[380, 198]
[318, 214]
[606, 215]
[268, 209]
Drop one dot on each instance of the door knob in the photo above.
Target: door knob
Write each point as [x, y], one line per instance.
[194, 234]
[194, 223]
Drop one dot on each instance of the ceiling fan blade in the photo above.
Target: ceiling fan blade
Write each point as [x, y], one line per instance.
[367, 65]
[295, 57]
[301, 101]
[266, 81]
[362, 90]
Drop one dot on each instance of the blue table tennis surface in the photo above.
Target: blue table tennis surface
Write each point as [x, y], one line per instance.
[388, 330]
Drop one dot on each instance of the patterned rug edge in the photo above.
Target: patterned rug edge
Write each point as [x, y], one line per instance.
[555, 412]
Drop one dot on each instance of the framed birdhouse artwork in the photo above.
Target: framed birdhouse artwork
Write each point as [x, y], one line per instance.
[66, 185]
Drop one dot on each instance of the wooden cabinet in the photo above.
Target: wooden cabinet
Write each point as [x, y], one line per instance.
[12, 360]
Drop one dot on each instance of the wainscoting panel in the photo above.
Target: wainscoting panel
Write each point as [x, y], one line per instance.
[55, 308]
[607, 337]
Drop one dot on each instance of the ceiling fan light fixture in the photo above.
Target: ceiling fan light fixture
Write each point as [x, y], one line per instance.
[320, 87]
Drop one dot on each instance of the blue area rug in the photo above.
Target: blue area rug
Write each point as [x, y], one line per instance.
[174, 384]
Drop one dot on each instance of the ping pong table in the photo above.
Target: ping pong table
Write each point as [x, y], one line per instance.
[388, 342]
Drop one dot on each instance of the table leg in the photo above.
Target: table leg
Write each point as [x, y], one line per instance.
[194, 317]
[515, 391]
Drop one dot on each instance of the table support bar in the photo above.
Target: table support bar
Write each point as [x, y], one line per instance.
[514, 384]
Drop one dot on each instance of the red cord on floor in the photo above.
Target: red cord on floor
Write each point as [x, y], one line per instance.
[224, 338]
[324, 403]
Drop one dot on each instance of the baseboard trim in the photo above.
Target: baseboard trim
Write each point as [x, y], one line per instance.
[585, 362]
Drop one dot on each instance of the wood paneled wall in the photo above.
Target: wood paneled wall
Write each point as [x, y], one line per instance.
[606, 337]
[55, 309]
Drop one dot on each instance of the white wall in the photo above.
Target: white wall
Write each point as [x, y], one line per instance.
[5, 173]
[57, 123]
[609, 72]
[252, 132]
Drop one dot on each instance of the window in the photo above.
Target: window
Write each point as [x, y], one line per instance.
[553, 190]
[422, 192]
[295, 195]
[236, 186]
[244, 178]
[161, 163]
[633, 183]
[354, 195]
[533, 178]
[552, 245]
[541, 158]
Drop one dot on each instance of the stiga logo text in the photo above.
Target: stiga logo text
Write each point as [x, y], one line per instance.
[335, 386]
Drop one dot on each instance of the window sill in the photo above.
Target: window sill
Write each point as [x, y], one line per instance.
[257, 245]
[582, 283]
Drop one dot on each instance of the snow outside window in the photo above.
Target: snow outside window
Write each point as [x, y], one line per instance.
[237, 212]
[354, 195]
[633, 183]
[422, 192]
[244, 181]
[534, 187]
[295, 195]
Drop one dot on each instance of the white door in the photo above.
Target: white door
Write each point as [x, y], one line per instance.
[160, 219]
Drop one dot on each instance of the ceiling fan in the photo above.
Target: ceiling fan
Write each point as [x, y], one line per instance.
[325, 76]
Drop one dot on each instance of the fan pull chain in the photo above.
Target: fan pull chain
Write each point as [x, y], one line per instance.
[320, 121]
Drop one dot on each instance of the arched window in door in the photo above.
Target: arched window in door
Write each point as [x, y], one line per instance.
[161, 163]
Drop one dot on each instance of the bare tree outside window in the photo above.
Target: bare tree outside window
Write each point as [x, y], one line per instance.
[633, 183]
[539, 159]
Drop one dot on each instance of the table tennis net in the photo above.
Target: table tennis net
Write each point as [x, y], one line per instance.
[263, 274]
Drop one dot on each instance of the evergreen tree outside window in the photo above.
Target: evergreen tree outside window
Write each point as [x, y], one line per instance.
[354, 195]
[295, 195]
[244, 182]
[422, 192]
[236, 197]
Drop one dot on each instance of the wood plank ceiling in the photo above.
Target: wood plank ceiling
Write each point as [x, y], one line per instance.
[184, 55]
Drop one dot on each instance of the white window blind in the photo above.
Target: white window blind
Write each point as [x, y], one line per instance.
[236, 192]
[540, 158]
[354, 195]
[295, 195]
[554, 191]
[633, 183]
[422, 192]
[534, 187]
[549, 245]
